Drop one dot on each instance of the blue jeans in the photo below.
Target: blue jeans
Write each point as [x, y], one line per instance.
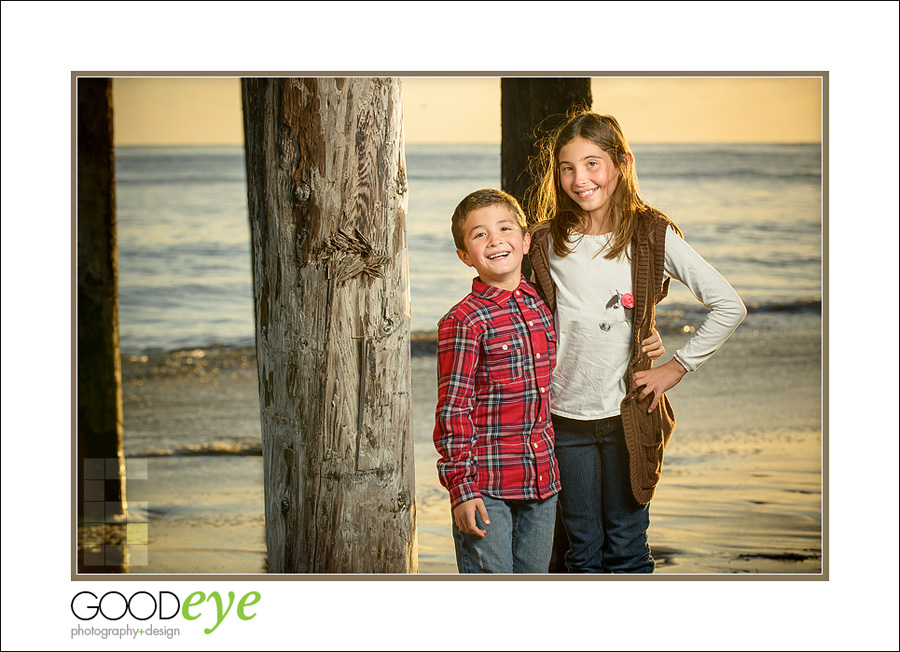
[606, 526]
[518, 540]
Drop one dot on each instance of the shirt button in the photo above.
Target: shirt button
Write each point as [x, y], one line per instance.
[538, 355]
[531, 323]
[518, 294]
[535, 445]
[542, 390]
[540, 477]
[505, 347]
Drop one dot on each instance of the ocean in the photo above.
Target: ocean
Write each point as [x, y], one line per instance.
[753, 211]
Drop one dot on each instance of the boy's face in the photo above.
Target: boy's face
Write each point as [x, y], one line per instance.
[495, 246]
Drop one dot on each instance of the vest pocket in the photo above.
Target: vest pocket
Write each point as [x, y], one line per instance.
[653, 452]
[503, 359]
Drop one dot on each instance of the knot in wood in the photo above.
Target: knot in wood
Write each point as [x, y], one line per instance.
[302, 193]
[388, 326]
[352, 255]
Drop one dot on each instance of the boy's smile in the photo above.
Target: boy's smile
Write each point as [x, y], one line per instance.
[495, 246]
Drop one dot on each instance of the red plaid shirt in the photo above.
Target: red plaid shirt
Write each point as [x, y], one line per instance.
[496, 352]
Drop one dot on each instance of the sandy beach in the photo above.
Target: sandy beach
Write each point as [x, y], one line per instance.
[741, 491]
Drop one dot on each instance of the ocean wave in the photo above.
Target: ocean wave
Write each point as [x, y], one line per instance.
[196, 360]
[738, 173]
[166, 179]
[805, 306]
[207, 449]
[802, 306]
[686, 318]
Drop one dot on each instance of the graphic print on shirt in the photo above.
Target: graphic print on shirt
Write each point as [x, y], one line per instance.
[618, 310]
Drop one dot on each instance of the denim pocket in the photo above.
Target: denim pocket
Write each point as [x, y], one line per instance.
[503, 358]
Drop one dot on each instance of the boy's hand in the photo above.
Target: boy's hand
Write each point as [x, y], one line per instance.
[653, 345]
[464, 515]
[658, 380]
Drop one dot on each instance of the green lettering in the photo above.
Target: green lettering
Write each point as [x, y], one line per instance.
[244, 603]
[190, 602]
[219, 615]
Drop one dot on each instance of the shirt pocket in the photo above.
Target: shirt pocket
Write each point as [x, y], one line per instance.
[504, 358]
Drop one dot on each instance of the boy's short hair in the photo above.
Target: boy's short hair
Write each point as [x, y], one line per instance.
[482, 199]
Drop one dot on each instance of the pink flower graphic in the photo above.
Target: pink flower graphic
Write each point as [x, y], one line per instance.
[628, 301]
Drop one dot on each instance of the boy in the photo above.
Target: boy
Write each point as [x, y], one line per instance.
[496, 351]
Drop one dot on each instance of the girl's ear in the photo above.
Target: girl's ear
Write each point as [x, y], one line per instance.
[526, 243]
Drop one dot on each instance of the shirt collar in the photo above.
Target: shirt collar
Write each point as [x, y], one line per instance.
[499, 295]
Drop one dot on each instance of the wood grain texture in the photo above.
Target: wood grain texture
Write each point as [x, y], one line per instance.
[327, 197]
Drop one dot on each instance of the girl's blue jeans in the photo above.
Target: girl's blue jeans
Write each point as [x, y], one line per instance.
[606, 526]
[518, 540]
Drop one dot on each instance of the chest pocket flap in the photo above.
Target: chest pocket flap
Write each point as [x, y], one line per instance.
[504, 358]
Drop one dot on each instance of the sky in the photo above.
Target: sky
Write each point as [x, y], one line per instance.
[455, 109]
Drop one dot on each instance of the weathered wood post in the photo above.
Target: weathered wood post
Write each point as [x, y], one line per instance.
[327, 197]
[530, 108]
[100, 476]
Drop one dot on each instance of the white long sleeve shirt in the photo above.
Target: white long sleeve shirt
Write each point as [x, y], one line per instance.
[594, 323]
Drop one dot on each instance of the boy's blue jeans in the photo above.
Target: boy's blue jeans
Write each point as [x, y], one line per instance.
[606, 526]
[518, 540]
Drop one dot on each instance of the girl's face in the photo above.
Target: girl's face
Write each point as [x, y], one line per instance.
[588, 175]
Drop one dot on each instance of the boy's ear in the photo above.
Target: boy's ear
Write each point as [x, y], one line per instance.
[464, 256]
[526, 243]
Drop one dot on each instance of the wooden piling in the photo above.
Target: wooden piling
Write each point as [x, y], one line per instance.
[327, 199]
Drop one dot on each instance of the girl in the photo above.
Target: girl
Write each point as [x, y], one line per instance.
[602, 259]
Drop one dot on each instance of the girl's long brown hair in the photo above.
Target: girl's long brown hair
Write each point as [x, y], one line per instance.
[548, 202]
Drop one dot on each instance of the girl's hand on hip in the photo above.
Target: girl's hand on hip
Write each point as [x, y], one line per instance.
[658, 380]
[653, 345]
